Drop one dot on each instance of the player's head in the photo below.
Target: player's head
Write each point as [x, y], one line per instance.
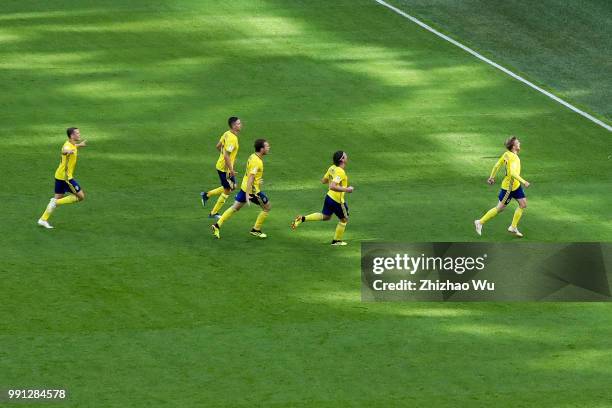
[234, 123]
[262, 146]
[513, 144]
[73, 133]
[340, 157]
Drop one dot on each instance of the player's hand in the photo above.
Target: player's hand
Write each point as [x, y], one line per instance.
[82, 144]
[491, 180]
[526, 184]
[232, 173]
[350, 189]
[248, 201]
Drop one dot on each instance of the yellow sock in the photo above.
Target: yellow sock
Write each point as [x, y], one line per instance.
[518, 213]
[46, 215]
[226, 216]
[490, 214]
[214, 192]
[314, 217]
[260, 220]
[219, 204]
[340, 231]
[69, 199]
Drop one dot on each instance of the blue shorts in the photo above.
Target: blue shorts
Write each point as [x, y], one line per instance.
[63, 186]
[259, 198]
[227, 182]
[506, 196]
[331, 206]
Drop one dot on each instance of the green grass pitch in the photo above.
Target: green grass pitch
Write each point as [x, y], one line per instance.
[130, 302]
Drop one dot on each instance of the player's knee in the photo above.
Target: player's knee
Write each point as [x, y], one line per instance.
[81, 196]
[326, 217]
[227, 191]
[344, 220]
[267, 206]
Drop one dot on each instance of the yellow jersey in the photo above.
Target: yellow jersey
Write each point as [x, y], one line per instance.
[255, 167]
[512, 165]
[337, 175]
[65, 170]
[229, 144]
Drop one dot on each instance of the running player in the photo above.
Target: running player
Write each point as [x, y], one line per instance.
[510, 188]
[250, 191]
[228, 147]
[64, 176]
[334, 199]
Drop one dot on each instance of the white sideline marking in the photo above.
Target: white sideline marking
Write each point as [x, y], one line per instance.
[496, 65]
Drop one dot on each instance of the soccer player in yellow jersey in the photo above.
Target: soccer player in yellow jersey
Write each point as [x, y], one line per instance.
[334, 199]
[250, 191]
[228, 147]
[510, 188]
[64, 176]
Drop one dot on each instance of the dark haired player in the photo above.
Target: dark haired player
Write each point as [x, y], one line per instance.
[228, 147]
[510, 188]
[250, 190]
[64, 176]
[334, 199]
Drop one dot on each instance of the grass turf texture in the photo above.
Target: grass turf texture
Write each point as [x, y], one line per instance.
[130, 301]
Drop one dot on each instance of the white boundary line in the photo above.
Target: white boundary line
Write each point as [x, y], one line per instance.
[496, 65]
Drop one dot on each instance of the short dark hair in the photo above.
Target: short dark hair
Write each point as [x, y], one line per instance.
[259, 144]
[231, 121]
[337, 157]
[70, 131]
[510, 142]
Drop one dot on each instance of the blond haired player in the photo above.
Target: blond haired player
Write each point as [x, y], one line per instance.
[510, 188]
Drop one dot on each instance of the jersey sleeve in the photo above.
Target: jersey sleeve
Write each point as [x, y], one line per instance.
[326, 175]
[230, 144]
[253, 167]
[498, 165]
[339, 176]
